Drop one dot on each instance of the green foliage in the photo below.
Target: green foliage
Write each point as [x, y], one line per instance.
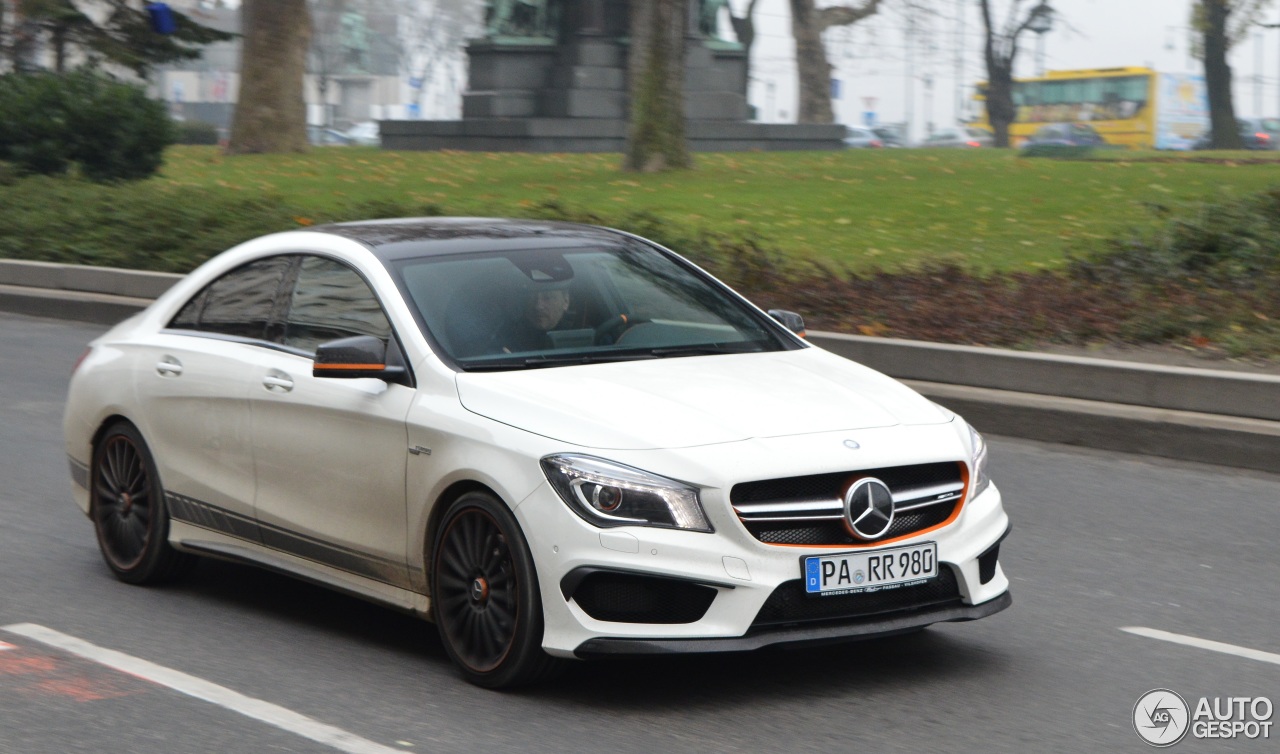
[1232, 243]
[139, 225]
[1209, 273]
[1056, 151]
[122, 35]
[108, 128]
[965, 235]
[196, 132]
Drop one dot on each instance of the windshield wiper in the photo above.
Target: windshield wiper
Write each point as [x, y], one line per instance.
[538, 362]
[707, 349]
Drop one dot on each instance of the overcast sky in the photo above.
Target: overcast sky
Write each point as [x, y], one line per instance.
[872, 58]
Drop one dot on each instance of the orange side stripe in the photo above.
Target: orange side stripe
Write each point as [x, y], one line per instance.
[365, 367]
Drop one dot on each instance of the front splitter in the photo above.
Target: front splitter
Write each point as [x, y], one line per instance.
[867, 628]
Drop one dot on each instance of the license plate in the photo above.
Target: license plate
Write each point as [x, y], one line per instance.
[870, 570]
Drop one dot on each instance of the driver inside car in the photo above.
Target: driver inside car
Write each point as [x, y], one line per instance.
[542, 312]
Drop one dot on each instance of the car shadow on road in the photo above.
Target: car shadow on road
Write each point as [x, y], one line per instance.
[312, 608]
[863, 667]
[934, 655]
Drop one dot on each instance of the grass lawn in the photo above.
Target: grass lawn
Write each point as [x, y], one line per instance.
[861, 209]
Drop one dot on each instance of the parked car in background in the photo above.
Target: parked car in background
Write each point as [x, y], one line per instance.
[365, 134]
[1255, 133]
[890, 136]
[960, 138]
[1264, 132]
[860, 137]
[1065, 135]
[320, 136]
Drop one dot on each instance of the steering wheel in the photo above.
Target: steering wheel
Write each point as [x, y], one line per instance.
[608, 332]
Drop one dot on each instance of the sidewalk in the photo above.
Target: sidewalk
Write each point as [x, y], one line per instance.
[1227, 415]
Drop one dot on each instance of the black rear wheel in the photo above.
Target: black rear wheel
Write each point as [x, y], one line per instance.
[128, 511]
[485, 595]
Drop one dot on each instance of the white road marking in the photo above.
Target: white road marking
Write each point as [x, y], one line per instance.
[1213, 646]
[190, 685]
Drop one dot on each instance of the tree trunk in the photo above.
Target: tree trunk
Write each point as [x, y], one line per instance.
[22, 41]
[1000, 109]
[271, 115]
[1217, 76]
[811, 64]
[812, 67]
[744, 28]
[6, 35]
[58, 40]
[655, 138]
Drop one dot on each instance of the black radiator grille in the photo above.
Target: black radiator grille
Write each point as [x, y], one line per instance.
[808, 510]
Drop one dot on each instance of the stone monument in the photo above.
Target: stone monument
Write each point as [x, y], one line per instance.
[551, 76]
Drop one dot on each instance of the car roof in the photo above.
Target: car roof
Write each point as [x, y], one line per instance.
[407, 238]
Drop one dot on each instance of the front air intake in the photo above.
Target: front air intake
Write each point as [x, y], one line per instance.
[635, 598]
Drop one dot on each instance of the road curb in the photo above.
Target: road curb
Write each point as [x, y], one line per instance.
[1180, 435]
[1203, 415]
[1207, 391]
[77, 306]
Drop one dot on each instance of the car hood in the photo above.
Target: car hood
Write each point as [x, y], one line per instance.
[698, 400]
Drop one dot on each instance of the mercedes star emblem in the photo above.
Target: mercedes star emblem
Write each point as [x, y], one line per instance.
[868, 508]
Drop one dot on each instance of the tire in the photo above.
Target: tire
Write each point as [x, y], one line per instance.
[485, 597]
[128, 510]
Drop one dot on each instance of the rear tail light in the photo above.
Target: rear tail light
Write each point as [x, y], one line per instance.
[1263, 137]
[877, 143]
[972, 144]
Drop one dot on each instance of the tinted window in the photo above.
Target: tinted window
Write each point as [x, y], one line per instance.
[240, 303]
[508, 310]
[330, 301]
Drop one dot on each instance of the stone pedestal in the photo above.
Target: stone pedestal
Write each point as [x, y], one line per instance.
[538, 95]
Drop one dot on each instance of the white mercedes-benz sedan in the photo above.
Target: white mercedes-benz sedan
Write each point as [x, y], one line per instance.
[552, 440]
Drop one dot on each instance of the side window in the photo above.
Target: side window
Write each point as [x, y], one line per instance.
[331, 301]
[239, 303]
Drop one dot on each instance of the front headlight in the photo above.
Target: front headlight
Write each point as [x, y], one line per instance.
[610, 494]
[978, 466]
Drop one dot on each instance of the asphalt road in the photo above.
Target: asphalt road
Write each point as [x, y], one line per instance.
[1100, 542]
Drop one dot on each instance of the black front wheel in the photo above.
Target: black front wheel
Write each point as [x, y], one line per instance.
[128, 510]
[485, 596]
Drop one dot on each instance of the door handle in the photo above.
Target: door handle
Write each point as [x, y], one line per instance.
[169, 367]
[277, 383]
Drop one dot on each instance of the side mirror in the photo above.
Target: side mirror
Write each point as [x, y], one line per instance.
[790, 320]
[352, 358]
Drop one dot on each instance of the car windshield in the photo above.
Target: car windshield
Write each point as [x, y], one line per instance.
[556, 307]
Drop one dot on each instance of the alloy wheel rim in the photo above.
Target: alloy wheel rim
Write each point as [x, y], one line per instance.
[477, 604]
[123, 510]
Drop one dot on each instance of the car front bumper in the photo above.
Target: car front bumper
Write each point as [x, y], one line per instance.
[745, 575]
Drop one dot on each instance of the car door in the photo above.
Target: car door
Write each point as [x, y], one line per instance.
[193, 389]
[330, 454]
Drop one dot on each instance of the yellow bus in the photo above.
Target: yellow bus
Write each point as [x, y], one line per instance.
[1136, 108]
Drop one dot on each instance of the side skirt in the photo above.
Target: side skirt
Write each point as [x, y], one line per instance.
[200, 541]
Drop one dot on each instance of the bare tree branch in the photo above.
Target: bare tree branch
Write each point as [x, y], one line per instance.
[840, 15]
